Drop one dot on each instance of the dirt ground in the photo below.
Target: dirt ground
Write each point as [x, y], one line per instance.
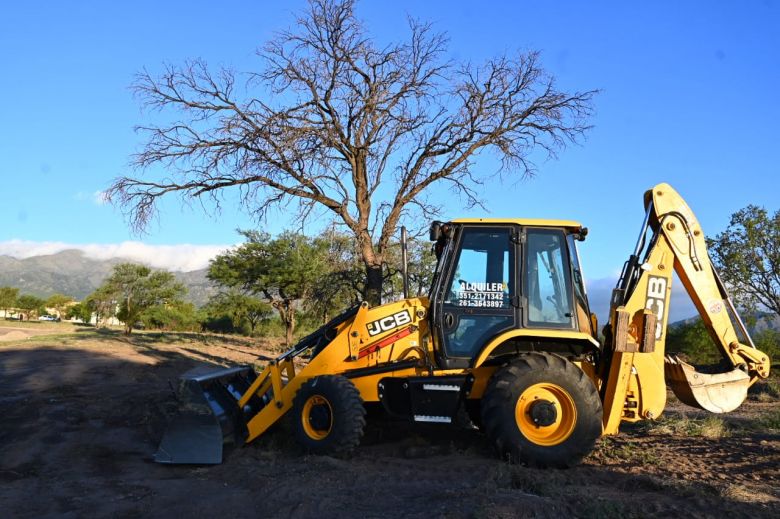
[82, 413]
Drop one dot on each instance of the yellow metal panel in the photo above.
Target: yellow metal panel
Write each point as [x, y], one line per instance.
[617, 386]
[633, 376]
[653, 400]
[482, 376]
[567, 335]
[529, 222]
[343, 354]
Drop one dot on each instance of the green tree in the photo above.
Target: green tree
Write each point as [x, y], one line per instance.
[31, 305]
[102, 302]
[693, 340]
[240, 308]
[8, 297]
[80, 311]
[747, 255]
[357, 130]
[137, 288]
[175, 316]
[421, 265]
[60, 303]
[768, 341]
[344, 279]
[283, 271]
[343, 284]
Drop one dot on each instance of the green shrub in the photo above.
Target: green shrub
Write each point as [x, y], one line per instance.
[181, 317]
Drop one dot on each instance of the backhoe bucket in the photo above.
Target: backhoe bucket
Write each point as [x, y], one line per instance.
[716, 392]
[208, 417]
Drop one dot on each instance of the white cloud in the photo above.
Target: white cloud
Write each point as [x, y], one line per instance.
[97, 198]
[184, 257]
[100, 198]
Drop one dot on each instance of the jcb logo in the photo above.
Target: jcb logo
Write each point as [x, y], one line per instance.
[389, 323]
[656, 301]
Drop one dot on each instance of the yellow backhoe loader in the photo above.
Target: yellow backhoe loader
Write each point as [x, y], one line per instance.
[507, 334]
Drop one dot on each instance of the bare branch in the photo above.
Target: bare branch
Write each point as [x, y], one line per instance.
[329, 118]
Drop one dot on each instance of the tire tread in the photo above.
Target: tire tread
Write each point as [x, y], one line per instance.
[501, 395]
[349, 414]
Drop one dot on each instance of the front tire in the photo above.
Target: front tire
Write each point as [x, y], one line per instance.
[543, 411]
[328, 415]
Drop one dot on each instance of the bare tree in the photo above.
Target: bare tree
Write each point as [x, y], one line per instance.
[331, 116]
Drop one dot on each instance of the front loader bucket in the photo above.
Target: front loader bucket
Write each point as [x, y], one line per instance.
[717, 392]
[208, 417]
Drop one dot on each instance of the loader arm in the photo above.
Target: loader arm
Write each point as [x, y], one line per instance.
[634, 365]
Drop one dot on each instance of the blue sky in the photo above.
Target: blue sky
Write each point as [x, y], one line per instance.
[689, 96]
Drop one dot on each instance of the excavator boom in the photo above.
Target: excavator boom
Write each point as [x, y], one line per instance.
[671, 239]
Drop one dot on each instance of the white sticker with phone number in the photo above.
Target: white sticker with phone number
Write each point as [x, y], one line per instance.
[482, 295]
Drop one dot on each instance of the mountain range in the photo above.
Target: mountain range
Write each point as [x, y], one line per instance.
[72, 273]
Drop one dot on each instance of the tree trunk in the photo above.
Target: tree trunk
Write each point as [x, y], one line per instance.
[289, 327]
[286, 311]
[373, 292]
[373, 257]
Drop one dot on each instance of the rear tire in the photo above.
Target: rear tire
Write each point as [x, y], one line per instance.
[543, 411]
[328, 415]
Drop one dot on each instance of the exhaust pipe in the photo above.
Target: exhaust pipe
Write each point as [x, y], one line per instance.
[405, 262]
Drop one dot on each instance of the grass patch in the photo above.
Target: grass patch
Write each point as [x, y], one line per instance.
[765, 390]
[611, 450]
[765, 398]
[736, 492]
[770, 420]
[38, 325]
[709, 427]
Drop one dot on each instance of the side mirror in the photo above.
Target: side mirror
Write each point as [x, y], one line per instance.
[435, 231]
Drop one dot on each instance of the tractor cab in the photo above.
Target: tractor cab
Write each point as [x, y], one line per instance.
[498, 275]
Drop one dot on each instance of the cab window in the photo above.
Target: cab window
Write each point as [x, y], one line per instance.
[481, 278]
[580, 295]
[548, 286]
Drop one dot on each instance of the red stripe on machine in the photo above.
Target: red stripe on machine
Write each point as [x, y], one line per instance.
[387, 341]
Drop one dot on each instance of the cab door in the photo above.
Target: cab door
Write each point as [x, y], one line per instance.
[548, 284]
[474, 300]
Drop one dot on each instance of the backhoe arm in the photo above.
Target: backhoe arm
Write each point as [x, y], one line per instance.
[703, 284]
[634, 359]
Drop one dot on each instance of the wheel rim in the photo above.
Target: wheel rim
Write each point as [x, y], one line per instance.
[545, 414]
[317, 417]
